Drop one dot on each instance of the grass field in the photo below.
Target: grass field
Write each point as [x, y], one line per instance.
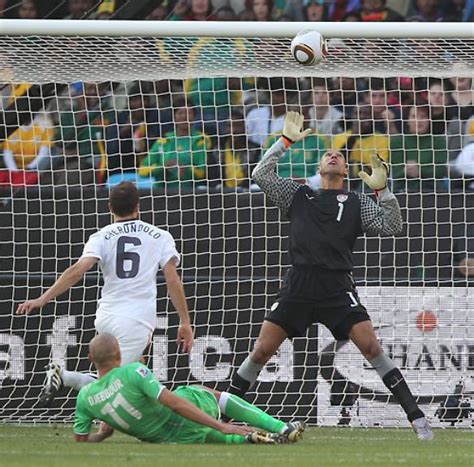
[53, 446]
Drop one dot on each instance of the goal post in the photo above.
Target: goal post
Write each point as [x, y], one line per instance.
[96, 102]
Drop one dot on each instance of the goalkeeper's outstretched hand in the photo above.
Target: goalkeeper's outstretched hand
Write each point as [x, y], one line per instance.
[293, 126]
[377, 180]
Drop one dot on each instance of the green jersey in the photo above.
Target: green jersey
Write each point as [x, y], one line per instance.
[302, 158]
[177, 160]
[127, 399]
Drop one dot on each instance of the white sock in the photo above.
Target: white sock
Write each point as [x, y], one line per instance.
[76, 380]
[223, 401]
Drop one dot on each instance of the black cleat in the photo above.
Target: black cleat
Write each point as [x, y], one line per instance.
[52, 384]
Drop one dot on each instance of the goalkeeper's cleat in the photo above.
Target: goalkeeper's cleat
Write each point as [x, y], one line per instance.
[294, 431]
[52, 384]
[260, 437]
[422, 429]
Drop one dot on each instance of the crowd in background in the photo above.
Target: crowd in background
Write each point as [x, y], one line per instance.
[245, 10]
[208, 133]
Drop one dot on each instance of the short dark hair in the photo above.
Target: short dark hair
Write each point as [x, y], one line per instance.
[124, 199]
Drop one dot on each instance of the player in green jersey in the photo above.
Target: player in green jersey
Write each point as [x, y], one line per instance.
[131, 400]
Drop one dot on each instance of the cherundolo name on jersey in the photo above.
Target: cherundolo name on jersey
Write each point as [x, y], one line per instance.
[130, 228]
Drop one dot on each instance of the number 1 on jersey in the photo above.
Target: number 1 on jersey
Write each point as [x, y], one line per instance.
[339, 213]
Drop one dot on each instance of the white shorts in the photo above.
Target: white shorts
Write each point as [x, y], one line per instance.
[132, 337]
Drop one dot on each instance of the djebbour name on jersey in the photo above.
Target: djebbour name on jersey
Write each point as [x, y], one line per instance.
[109, 391]
[131, 228]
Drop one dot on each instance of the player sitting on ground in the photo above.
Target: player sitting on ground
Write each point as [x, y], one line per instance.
[324, 226]
[131, 400]
[129, 253]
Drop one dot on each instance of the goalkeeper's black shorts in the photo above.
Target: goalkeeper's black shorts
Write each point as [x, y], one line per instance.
[311, 295]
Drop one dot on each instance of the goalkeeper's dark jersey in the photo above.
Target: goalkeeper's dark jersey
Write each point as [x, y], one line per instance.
[324, 224]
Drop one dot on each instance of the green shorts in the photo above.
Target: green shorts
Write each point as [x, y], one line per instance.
[190, 432]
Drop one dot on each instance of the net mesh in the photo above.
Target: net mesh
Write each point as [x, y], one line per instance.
[63, 59]
[99, 110]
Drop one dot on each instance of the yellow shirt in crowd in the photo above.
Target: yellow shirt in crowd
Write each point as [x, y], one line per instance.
[363, 147]
[26, 142]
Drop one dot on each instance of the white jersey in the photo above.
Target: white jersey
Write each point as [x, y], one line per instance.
[130, 253]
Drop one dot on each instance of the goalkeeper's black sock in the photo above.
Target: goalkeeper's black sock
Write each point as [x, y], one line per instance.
[238, 386]
[245, 377]
[397, 385]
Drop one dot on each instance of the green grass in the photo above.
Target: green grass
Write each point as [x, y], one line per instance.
[22, 446]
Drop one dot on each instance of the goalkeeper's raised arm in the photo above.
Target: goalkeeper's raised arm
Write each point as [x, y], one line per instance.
[280, 190]
[382, 219]
[386, 218]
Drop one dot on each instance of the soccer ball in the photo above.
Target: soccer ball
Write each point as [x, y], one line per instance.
[308, 47]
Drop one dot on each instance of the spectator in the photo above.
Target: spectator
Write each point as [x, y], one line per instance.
[462, 169]
[262, 9]
[325, 118]
[226, 13]
[360, 142]
[377, 11]
[28, 10]
[159, 13]
[213, 97]
[334, 10]
[29, 147]
[463, 251]
[238, 155]
[79, 8]
[247, 15]
[344, 95]
[135, 131]
[179, 159]
[468, 13]
[193, 10]
[461, 98]
[460, 133]
[418, 158]
[454, 10]
[428, 10]
[437, 99]
[300, 161]
[105, 10]
[406, 90]
[344, 10]
[80, 132]
[387, 119]
[314, 10]
[352, 16]
[261, 122]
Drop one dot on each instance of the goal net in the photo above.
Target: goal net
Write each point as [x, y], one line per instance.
[186, 111]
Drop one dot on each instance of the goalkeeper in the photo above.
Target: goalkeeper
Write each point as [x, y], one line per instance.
[319, 287]
[130, 399]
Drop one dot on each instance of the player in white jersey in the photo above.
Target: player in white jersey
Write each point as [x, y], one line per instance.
[129, 253]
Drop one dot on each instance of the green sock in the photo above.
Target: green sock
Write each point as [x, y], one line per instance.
[215, 436]
[236, 408]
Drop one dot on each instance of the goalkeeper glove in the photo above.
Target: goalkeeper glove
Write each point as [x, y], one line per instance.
[293, 126]
[377, 180]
